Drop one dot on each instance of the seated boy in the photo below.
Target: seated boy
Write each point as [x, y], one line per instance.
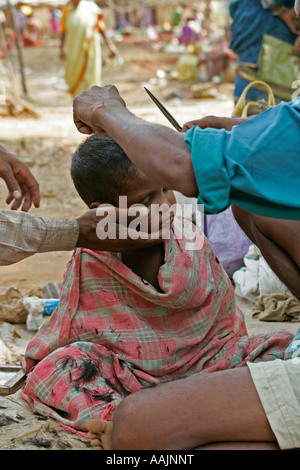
[129, 320]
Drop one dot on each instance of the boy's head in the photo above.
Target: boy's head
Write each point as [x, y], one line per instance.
[102, 172]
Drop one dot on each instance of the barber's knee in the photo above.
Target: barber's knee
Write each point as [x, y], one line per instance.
[131, 423]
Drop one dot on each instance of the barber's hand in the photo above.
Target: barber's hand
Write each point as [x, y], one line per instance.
[87, 108]
[290, 18]
[22, 186]
[114, 223]
[214, 122]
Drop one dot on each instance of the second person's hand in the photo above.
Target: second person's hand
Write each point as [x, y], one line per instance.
[108, 228]
[214, 122]
[21, 184]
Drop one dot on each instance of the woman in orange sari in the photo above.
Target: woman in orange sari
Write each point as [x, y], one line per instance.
[84, 27]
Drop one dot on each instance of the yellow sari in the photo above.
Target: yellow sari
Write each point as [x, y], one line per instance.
[83, 62]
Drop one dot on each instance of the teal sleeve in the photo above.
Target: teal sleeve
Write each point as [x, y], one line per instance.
[207, 149]
[255, 166]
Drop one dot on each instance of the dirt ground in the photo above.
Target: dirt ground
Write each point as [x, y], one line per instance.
[46, 143]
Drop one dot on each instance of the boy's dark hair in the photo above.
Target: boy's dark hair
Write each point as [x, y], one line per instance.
[101, 170]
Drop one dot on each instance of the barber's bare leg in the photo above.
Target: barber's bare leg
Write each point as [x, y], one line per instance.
[279, 243]
[221, 407]
[100, 434]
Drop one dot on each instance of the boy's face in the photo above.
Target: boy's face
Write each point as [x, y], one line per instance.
[144, 191]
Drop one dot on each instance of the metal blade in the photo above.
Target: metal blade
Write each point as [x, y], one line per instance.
[164, 111]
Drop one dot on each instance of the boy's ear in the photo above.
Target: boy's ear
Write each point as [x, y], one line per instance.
[94, 205]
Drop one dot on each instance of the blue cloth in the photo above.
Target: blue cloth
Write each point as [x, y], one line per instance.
[293, 350]
[250, 22]
[255, 166]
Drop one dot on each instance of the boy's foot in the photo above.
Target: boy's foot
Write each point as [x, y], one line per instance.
[100, 433]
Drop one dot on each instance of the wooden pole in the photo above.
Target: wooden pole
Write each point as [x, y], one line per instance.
[7, 62]
[19, 48]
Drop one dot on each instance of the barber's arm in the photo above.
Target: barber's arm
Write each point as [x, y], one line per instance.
[155, 149]
[227, 164]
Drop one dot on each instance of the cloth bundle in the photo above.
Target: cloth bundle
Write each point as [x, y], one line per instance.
[113, 333]
[280, 306]
[256, 278]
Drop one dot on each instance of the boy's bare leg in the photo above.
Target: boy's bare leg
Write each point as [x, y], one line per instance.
[279, 243]
[221, 407]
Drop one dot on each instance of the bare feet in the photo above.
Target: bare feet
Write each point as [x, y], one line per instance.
[100, 433]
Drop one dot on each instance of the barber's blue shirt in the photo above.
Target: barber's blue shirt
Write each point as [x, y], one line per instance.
[255, 166]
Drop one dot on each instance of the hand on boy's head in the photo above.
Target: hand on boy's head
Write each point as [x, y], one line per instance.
[90, 102]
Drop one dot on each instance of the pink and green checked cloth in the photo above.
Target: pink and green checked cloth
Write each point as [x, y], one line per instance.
[113, 334]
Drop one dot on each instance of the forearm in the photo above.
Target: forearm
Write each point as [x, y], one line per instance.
[156, 150]
[23, 235]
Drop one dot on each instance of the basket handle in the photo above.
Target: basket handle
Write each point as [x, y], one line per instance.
[241, 108]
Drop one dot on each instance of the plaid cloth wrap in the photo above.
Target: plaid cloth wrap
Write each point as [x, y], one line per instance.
[113, 334]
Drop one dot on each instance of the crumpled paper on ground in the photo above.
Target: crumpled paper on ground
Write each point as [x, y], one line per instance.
[12, 308]
[11, 305]
[13, 342]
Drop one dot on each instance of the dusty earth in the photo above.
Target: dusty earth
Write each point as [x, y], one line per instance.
[46, 143]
